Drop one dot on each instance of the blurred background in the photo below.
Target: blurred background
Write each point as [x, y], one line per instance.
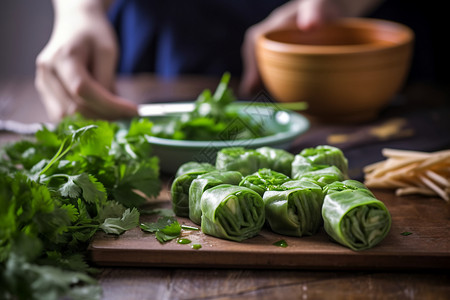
[25, 28]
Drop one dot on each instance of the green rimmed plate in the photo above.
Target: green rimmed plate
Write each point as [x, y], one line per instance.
[286, 126]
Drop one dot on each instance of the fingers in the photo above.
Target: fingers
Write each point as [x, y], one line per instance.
[250, 78]
[53, 94]
[284, 16]
[90, 96]
[66, 86]
[103, 64]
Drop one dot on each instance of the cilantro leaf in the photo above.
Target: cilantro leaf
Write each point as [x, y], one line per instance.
[129, 220]
[165, 229]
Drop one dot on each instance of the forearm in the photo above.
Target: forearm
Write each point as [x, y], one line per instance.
[62, 7]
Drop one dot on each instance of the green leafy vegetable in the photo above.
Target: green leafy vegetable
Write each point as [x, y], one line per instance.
[212, 119]
[57, 191]
[165, 229]
[129, 220]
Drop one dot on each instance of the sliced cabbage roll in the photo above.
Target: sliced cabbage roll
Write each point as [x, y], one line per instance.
[264, 180]
[348, 184]
[322, 175]
[180, 190]
[232, 212]
[279, 160]
[295, 211]
[322, 155]
[204, 182]
[194, 166]
[355, 219]
[245, 161]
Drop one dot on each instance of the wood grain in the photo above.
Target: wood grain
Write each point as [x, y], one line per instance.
[428, 247]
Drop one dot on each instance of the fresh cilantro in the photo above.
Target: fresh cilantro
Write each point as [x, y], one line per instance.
[56, 191]
[129, 220]
[165, 229]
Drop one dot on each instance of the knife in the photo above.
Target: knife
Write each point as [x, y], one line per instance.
[144, 110]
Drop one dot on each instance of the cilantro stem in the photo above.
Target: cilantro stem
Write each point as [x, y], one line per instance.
[60, 153]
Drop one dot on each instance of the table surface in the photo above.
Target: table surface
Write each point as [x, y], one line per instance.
[417, 120]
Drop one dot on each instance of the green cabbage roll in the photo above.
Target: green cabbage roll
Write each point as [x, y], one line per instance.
[264, 180]
[322, 175]
[204, 182]
[245, 161]
[232, 212]
[355, 219]
[279, 160]
[348, 184]
[194, 166]
[322, 155]
[295, 211]
[181, 185]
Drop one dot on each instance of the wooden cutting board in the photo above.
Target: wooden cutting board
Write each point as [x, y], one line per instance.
[427, 247]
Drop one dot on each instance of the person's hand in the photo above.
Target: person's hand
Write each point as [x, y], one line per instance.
[303, 14]
[75, 71]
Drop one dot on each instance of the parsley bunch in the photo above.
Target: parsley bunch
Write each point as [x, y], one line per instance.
[57, 190]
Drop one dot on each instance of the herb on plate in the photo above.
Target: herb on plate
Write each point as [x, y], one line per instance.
[212, 118]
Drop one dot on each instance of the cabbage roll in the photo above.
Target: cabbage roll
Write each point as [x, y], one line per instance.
[232, 212]
[245, 161]
[194, 166]
[355, 219]
[204, 182]
[295, 211]
[323, 155]
[264, 180]
[348, 184]
[322, 175]
[279, 160]
[180, 191]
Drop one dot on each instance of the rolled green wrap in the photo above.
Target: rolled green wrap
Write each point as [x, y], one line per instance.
[279, 160]
[232, 212]
[194, 166]
[204, 182]
[320, 155]
[322, 175]
[349, 184]
[245, 161]
[180, 186]
[355, 219]
[295, 211]
[264, 180]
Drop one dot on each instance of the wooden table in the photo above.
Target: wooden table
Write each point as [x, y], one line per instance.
[19, 101]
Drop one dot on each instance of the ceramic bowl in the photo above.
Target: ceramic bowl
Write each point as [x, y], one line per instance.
[286, 125]
[346, 71]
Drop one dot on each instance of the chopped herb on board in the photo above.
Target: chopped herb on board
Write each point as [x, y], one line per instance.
[406, 233]
[280, 243]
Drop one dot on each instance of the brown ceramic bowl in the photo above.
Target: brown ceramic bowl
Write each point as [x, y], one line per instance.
[346, 71]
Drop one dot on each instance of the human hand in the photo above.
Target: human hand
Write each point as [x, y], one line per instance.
[303, 14]
[75, 71]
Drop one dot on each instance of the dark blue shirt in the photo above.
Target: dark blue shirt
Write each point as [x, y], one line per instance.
[192, 37]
